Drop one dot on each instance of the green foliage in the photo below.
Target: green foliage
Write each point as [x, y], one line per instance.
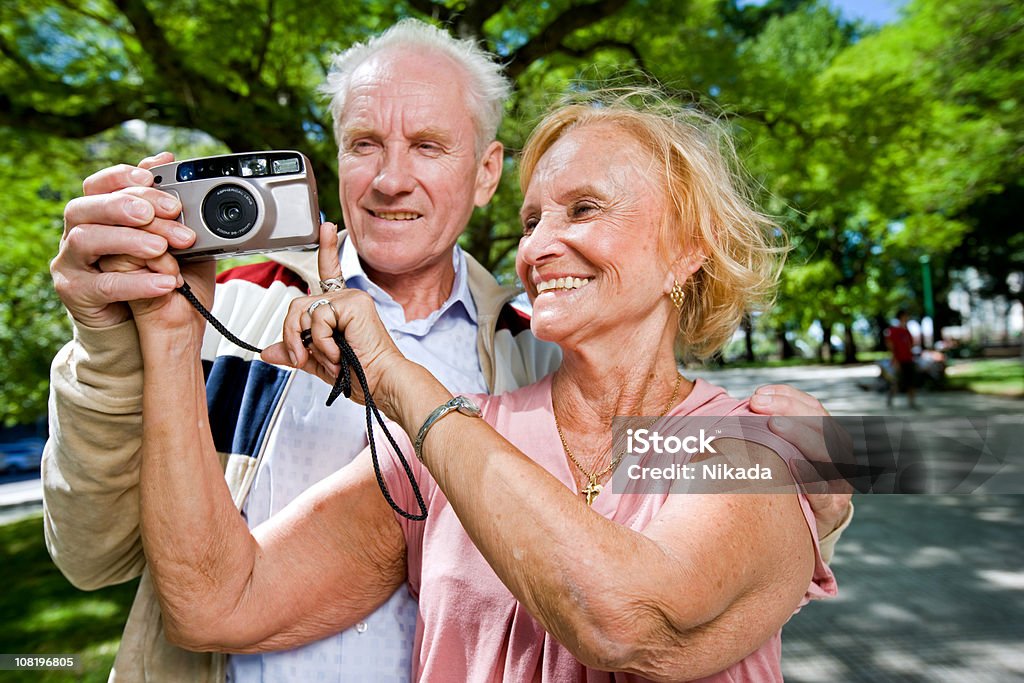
[41, 613]
[874, 147]
[32, 324]
[41, 174]
[877, 149]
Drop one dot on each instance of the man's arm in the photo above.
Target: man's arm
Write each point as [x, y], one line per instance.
[91, 462]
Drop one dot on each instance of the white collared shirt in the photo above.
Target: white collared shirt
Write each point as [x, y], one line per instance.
[310, 441]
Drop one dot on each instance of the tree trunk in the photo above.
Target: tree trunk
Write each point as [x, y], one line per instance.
[1006, 321]
[748, 339]
[849, 343]
[881, 325]
[784, 348]
[825, 350]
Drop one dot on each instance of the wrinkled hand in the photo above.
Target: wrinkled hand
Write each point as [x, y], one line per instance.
[115, 243]
[350, 311]
[819, 440]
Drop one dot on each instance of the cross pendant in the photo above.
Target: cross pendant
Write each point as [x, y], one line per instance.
[591, 490]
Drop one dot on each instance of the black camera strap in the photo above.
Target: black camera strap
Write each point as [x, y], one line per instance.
[342, 385]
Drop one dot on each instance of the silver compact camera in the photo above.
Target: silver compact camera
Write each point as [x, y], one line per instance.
[243, 203]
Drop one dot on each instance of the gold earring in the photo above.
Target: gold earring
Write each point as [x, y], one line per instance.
[678, 294]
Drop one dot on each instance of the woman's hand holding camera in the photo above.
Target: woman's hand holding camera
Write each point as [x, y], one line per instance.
[308, 342]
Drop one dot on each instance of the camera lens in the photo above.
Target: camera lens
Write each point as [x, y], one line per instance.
[230, 211]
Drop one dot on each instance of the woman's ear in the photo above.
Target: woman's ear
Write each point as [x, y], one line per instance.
[683, 267]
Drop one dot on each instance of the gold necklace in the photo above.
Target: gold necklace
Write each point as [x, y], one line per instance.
[592, 489]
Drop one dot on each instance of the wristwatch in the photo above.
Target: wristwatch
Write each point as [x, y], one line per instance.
[459, 403]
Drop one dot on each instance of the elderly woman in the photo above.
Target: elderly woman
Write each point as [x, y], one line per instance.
[529, 566]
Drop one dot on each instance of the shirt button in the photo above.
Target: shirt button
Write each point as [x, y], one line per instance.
[361, 627]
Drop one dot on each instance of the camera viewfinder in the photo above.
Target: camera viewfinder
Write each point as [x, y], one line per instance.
[253, 166]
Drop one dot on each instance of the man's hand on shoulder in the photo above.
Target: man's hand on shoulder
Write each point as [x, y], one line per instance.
[830, 500]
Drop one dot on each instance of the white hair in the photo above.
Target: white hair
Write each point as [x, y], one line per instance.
[487, 88]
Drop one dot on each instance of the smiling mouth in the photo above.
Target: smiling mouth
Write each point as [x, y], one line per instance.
[562, 283]
[395, 215]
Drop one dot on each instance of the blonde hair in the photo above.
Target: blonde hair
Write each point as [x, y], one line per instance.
[710, 208]
[487, 88]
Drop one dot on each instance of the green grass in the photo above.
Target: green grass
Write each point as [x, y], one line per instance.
[1004, 377]
[41, 613]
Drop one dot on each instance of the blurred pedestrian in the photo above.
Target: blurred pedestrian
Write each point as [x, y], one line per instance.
[901, 344]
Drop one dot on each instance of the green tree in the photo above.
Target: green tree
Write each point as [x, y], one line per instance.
[874, 147]
[880, 148]
[73, 73]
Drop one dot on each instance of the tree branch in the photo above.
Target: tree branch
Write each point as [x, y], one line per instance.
[151, 36]
[470, 22]
[550, 39]
[606, 44]
[7, 51]
[84, 124]
[268, 32]
[194, 89]
[438, 12]
[103, 21]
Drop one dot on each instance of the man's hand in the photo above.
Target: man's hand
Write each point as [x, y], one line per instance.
[832, 501]
[115, 244]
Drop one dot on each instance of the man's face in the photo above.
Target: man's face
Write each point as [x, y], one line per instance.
[408, 169]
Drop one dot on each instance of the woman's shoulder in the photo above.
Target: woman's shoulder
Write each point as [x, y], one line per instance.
[707, 399]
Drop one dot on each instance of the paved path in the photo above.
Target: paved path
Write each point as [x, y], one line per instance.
[931, 589]
[20, 496]
[931, 586]
[840, 389]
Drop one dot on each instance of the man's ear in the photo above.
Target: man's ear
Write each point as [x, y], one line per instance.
[688, 263]
[488, 173]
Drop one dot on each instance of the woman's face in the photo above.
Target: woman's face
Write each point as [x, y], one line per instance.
[589, 255]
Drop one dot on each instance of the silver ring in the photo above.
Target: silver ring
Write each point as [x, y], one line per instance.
[317, 304]
[332, 284]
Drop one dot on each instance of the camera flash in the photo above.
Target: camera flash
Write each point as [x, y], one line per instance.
[286, 166]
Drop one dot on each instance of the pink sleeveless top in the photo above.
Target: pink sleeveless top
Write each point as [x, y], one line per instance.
[470, 627]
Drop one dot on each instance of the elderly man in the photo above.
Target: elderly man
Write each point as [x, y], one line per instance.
[416, 113]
